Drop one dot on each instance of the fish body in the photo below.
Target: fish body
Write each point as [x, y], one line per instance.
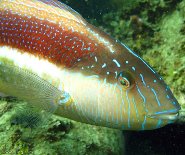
[100, 80]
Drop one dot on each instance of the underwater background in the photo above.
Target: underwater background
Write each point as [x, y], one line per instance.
[155, 30]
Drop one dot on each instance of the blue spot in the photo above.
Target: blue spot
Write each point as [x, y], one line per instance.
[155, 81]
[126, 62]
[167, 88]
[133, 68]
[104, 65]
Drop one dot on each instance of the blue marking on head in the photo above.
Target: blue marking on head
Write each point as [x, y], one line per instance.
[158, 102]
[116, 62]
[174, 102]
[166, 111]
[122, 101]
[143, 81]
[116, 74]
[104, 65]
[167, 88]
[143, 97]
[135, 107]
[138, 57]
[128, 109]
[133, 68]
[144, 100]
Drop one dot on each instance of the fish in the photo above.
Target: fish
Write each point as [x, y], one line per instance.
[51, 57]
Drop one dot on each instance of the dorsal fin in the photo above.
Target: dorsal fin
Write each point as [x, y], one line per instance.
[63, 6]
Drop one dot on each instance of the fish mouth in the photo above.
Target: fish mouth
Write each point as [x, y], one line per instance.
[172, 114]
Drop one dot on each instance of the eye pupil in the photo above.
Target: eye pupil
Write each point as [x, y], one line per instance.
[125, 79]
[123, 82]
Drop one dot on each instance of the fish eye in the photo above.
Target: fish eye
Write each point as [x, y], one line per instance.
[125, 79]
[124, 82]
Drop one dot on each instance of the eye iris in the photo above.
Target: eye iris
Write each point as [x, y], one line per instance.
[124, 82]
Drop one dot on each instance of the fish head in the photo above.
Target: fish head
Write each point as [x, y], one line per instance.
[147, 101]
[120, 90]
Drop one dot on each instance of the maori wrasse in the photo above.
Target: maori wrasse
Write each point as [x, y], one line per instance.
[52, 58]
